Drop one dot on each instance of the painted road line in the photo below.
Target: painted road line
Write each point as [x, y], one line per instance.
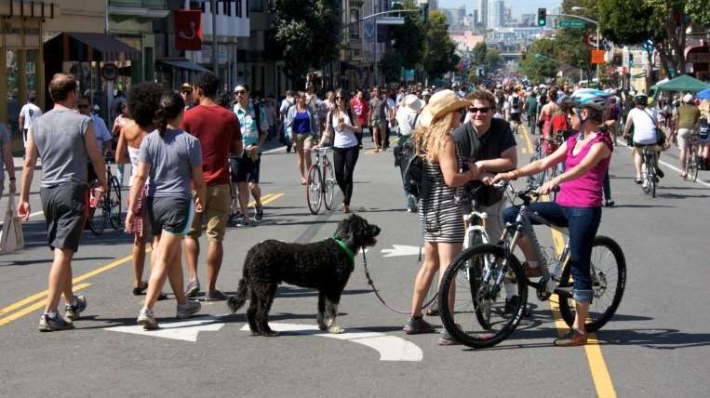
[699, 181]
[34, 307]
[390, 348]
[527, 140]
[524, 151]
[182, 330]
[19, 304]
[595, 359]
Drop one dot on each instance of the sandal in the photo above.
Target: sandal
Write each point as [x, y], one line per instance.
[571, 339]
[140, 290]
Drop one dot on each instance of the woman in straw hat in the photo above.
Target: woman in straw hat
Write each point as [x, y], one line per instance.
[438, 210]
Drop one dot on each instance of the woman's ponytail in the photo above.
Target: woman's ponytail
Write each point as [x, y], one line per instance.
[171, 105]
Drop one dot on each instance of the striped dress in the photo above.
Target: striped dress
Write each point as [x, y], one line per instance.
[439, 213]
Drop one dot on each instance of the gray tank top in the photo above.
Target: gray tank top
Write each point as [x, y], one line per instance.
[59, 137]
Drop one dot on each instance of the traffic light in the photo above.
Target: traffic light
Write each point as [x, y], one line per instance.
[541, 16]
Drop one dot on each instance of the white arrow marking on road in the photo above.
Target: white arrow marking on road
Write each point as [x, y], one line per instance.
[184, 330]
[401, 250]
[391, 348]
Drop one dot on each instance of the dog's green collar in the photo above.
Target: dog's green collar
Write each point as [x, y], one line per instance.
[347, 250]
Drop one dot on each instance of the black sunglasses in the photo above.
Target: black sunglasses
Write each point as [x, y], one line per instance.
[473, 109]
[240, 91]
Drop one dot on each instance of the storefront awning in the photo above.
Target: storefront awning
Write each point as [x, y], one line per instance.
[90, 47]
[183, 63]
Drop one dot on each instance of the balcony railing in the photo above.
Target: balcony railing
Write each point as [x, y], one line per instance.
[151, 4]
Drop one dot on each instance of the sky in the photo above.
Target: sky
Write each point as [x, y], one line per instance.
[518, 6]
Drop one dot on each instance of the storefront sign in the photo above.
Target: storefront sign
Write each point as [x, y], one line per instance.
[109, 72]
[188, 30]
[597, 57]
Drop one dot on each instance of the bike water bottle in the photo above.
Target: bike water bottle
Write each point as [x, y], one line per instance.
[92, 199]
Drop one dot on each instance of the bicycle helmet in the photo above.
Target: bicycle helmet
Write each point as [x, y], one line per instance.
[590, 98]
[641, 99]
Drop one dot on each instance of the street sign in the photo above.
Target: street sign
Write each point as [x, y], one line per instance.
[390, 21]
[570, 23]
[597, 57]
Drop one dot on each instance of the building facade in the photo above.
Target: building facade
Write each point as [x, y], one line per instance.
[496, 14]
[482, 20]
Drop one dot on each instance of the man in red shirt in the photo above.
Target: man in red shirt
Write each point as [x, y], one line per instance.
[218, 130]
[362, 112]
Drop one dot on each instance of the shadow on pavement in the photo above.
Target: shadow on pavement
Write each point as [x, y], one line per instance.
[47, 261]
[660, 339]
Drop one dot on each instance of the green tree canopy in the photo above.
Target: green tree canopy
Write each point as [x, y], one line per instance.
[439, 52]
[309, 32]
[540, 62]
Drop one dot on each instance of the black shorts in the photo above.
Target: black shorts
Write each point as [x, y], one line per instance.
[245, 169]
[515, 117]
[65, 211]
[170, 214]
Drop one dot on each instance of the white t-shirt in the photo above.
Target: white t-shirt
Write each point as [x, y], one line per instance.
[644, 126]
[514, 109]
[30, 112]
[346, 138]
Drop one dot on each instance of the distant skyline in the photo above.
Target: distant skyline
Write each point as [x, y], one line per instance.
[519, 6]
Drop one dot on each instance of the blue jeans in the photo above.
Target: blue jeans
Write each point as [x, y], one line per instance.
[583, 224]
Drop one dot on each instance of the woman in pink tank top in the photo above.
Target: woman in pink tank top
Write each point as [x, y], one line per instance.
[579, 203]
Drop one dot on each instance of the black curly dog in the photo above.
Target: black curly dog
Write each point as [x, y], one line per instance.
[324, 265]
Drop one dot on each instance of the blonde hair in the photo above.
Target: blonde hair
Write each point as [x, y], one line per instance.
[429, 141]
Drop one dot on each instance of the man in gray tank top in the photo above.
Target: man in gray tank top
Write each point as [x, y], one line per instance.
[65, 141]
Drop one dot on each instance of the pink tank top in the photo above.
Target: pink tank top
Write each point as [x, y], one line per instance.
[586, 191]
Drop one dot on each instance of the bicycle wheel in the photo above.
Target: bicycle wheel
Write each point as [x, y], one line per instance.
[538, 179]
[314, 196]
[692, 163]
[98, 218]
[329, 185]
[608, 271]
[113, 203]
[477, 316]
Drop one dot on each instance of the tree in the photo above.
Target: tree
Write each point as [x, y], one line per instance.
[439, 52]
[391, 65]
[663, 22]
[408, 39]
[309, 33]
[493, 59]
[479, 53]
[540, 63]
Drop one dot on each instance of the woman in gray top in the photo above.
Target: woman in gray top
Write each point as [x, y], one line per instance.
[171, 158]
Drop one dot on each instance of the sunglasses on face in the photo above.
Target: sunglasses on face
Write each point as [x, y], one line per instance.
[473, 109]
[240, 92]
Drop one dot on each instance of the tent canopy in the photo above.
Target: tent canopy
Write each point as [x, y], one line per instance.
[682, 83]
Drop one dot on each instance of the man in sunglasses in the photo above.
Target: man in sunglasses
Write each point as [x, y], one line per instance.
[103, 137]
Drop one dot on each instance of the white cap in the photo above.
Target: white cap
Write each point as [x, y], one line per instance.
[688, 98]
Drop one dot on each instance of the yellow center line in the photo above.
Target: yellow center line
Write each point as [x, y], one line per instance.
[527, 139]
[593, 351]
[34, 307]
[265, 199]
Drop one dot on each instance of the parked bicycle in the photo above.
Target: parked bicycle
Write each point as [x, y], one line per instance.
[479, 316]
[543, 148]
[108, 211]
[321, 183]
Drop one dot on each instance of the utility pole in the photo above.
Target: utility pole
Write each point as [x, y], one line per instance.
[213, 9]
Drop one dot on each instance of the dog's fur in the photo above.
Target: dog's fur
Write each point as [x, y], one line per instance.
[322, 265]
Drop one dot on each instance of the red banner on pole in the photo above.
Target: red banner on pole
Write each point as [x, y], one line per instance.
[188, 30]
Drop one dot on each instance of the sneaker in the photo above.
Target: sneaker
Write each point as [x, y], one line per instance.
[192, 289]
[147, 319]
[417, 326]
[571, 339]
[215, 295]
[609, 203]
[73, 312]
[259, 213]
[188, 309]
[445, 339]
[243, 222]
[47, 324]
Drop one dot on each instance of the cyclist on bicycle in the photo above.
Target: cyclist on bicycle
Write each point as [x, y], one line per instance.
[688, 123]
[587, 156]
[645, 133]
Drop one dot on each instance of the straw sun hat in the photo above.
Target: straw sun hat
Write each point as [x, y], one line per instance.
[441, 104]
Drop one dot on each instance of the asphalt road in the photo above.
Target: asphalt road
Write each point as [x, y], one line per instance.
[656, 345]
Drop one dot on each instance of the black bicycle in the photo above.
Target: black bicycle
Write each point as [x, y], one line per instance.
[109, 210]
[478, 313]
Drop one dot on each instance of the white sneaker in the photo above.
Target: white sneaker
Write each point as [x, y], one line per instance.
[147, 319]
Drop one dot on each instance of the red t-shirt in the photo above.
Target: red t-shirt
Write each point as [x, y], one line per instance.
[216, 128]
[361, 109]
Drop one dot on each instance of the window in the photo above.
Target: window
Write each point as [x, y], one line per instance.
[238, 7]
[256, 5]
[196, 5]
[225, 8]
[354, 27]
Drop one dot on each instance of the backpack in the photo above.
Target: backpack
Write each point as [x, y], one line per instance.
[412, 167]
[516, 102]
[704, 131]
